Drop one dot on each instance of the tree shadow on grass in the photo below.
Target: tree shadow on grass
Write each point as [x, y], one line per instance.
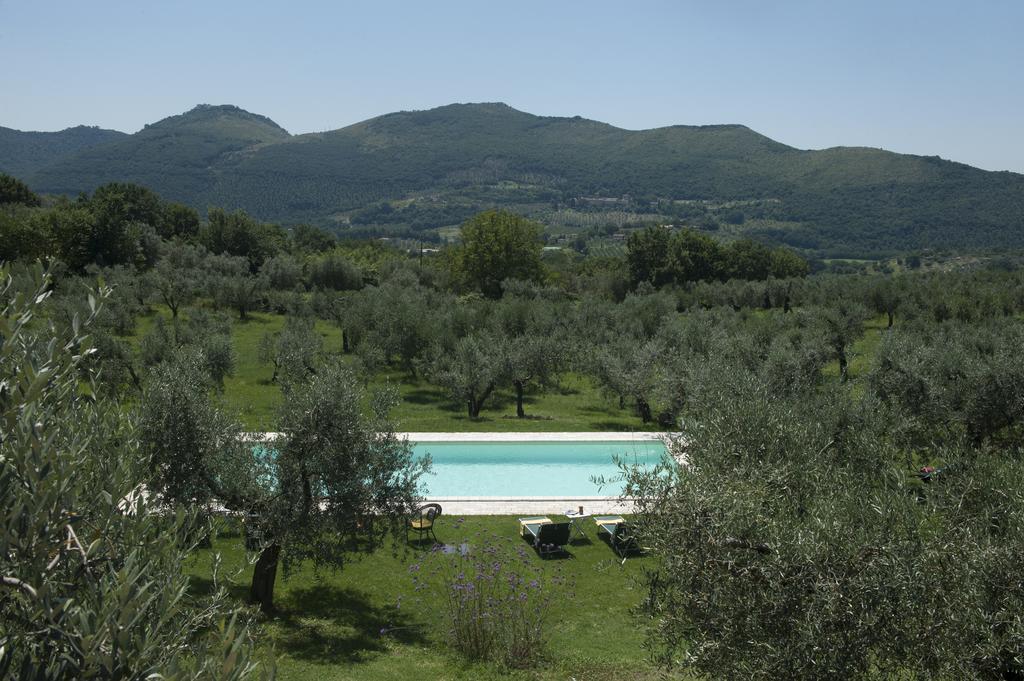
[434, 397]
[204, 586]
[327, 623]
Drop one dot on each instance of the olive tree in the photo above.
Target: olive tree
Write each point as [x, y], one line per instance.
[536, 346]
[629, 368]
[470, 369]
[293, 351]
[842, 323]
[178, 275]
[93, 580]
[341, 478]
[196, 450]
[231, 284]
[792, 539]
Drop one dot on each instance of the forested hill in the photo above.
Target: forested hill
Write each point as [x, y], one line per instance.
[465, 157]
[23, 153]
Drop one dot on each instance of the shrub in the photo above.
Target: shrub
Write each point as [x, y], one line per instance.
[495, 601]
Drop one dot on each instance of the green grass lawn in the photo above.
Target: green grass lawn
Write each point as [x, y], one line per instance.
[329, 625]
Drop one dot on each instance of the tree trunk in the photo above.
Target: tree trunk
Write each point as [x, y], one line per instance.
[475, 403]
[643, 409]
[263, 577]
[842, 365]
[346, 347]
[889, 312]
[519, 399]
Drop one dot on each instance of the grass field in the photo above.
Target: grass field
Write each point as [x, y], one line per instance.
[329, 624]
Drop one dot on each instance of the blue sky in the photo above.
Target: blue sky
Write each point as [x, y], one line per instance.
[936, 77]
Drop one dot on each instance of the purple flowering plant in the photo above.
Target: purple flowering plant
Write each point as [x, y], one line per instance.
[494, 598]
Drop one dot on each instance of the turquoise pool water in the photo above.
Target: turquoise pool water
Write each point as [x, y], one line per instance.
[531, 469]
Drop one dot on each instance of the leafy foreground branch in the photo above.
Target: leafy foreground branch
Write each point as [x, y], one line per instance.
[93, 585]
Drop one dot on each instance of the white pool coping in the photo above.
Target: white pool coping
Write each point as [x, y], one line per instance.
[576, 436]
[586, 436]
[531, 505]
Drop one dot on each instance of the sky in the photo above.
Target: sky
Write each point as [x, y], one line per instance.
[939, 77]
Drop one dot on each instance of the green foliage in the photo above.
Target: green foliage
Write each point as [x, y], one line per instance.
[308, 239]
[232, 285]
[659, 256]
[177, 277]
[196, 451]
[334, 272]
[93, 573]
[178, 222]
[496, 246]
[23, 236]
[798, 521]
[283, 272]
[13, 190]
[470, 370]
[238, 234]
[293, 352]
[955, 378]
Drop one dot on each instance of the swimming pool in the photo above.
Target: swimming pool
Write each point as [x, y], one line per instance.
[531, 468]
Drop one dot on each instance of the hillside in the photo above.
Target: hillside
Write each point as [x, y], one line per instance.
[426, 169]
[23, 153]
[180, 157]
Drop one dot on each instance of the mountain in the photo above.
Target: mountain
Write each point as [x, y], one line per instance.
[424, 169]
[180, 157]
[23, 153]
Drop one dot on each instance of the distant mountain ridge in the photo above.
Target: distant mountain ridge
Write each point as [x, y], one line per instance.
[844, 199]
[24, 153]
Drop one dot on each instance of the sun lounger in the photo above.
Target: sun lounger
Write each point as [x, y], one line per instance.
[620, 537]
[547, 537]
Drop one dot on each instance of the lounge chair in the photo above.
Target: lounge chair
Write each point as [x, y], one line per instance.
[422, 522]
[619, 533]
[547, 537]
